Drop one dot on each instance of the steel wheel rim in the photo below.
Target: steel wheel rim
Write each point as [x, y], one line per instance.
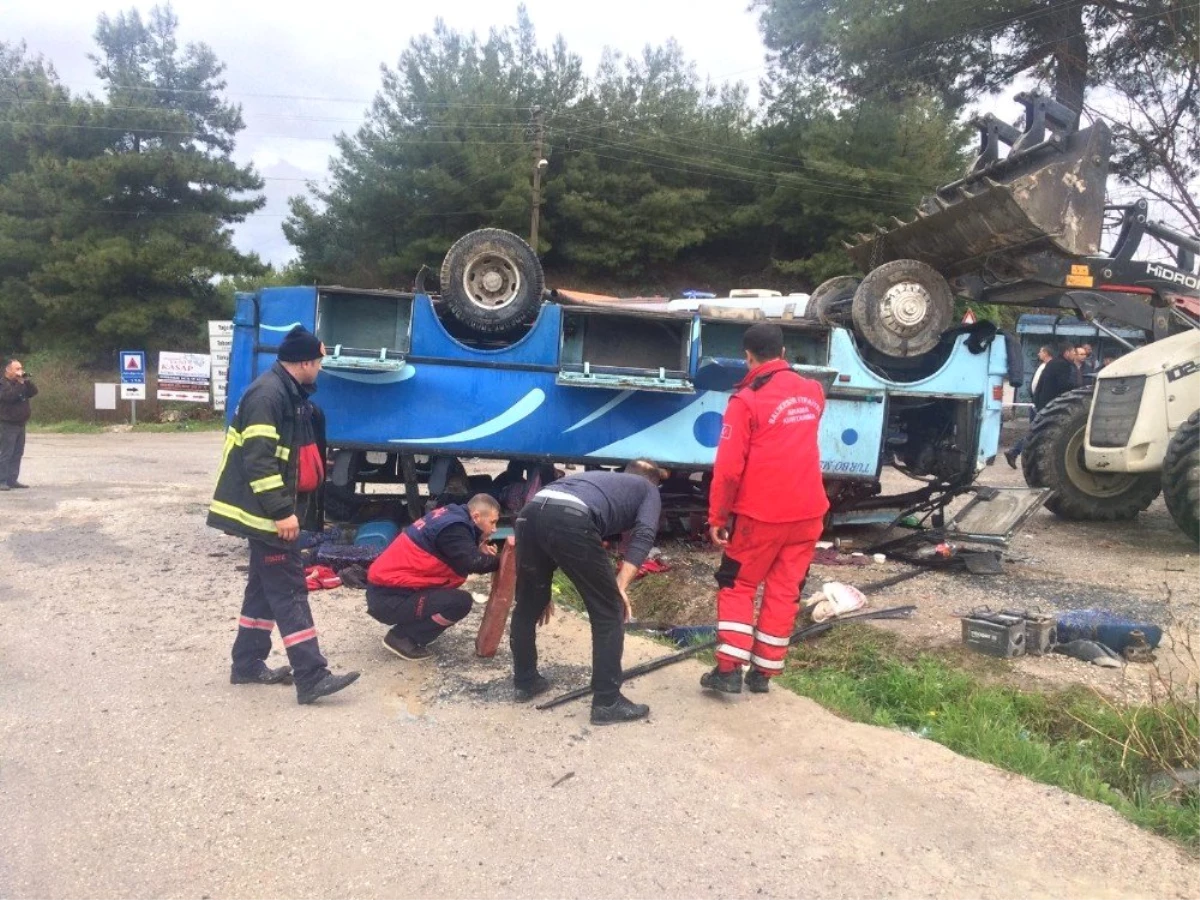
[905, 307]
[1094, 484]
[491, 281]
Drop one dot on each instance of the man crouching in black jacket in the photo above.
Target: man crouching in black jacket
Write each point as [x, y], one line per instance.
[414, 584]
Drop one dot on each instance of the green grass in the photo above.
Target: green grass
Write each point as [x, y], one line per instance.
[564, 593]
[1075, 740]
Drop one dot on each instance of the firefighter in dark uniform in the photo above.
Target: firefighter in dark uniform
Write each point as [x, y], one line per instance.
[414, 584]
[271, 468]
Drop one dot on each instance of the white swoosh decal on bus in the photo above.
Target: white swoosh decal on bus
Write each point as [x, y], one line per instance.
[380, 377]
[620, 398]
[511, 416]
[284, 328]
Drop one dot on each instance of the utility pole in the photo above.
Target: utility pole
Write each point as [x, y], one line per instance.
[539, 163]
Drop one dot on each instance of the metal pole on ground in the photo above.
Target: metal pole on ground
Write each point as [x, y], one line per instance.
[896, 612]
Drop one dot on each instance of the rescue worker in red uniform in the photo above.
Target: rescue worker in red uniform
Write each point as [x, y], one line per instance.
[766, 509]
[414, 584]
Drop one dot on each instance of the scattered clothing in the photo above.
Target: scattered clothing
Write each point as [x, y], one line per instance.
[318, 578]
[652, 567]
[1091, 651]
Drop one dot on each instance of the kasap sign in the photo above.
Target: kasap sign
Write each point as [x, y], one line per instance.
[184, 376]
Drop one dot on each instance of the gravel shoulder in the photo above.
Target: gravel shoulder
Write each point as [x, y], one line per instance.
[130, 767]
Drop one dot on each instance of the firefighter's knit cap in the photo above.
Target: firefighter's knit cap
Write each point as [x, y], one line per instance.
[300, 345]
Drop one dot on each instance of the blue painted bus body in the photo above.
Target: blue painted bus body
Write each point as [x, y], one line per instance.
[431, 394]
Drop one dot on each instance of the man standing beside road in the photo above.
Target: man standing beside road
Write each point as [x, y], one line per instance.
[16, 387]
[1045, 354]
[414, 584]
[766, 507]
[270, 469]
[1058, 377]
[1088, 364]
[564, 526]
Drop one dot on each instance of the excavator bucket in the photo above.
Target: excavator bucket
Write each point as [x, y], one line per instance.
[1046, 194]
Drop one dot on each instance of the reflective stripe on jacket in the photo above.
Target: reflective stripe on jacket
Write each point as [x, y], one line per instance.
[256, 481]
[768, 463]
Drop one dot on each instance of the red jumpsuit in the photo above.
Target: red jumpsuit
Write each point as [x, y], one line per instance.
[767, 490]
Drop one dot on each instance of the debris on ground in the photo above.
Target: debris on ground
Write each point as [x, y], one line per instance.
[318, 578]
[1090, 651]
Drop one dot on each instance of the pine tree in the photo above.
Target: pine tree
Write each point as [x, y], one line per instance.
[139, 222]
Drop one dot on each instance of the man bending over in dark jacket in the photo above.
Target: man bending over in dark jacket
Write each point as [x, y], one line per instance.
[414, 584]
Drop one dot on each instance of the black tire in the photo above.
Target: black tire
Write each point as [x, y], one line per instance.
[492, 283]
[1181, 477]
[902, 307]
[1053, 458]
[830, 302]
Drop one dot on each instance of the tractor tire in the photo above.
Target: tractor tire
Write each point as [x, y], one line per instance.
[902, 307]
[1181, 477]
[830, 302]
[1053, 458]
[492, 284]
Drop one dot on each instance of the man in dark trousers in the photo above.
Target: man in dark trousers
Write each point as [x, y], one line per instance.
[766, 507]
[1059, 376]
[270, 471]
[564, 526]
[414, 584]
[1045, 354]
[16, 387]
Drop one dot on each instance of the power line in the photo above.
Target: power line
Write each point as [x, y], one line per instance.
[751, 176]
[135, 129]
[284, 116]
[308, 98]
[756, 155]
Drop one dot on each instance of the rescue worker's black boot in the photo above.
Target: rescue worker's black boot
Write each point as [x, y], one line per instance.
[265, 675]
[725, 682]
[330, 684]
[757, 682]
[523, 693]
[620, 710]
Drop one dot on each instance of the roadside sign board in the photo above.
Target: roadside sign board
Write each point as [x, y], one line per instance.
[220, 343]
[184, 376]
[133, 391]
[106, 395]
[133, 367]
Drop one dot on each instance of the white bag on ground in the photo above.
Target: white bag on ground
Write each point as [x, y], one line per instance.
[837, 599]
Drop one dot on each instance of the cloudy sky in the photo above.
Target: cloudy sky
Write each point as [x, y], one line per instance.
[304, 71]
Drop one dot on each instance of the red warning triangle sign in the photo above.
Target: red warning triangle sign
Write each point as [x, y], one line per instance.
[133, 363]
[968, 318]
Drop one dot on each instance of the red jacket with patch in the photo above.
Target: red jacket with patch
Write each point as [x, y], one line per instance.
[768, 465]
[412, 559]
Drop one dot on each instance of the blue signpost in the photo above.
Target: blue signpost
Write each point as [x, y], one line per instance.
[133, 380]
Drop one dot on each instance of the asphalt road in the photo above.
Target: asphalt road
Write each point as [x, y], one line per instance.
[129, 766]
